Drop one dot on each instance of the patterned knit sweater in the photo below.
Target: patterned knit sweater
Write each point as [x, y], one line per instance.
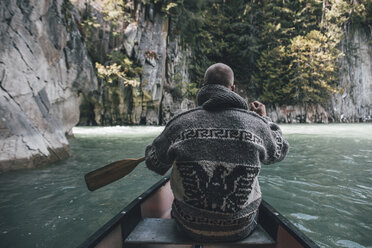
[216, 150]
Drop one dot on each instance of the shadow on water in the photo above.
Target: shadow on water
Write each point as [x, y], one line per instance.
[324, 186]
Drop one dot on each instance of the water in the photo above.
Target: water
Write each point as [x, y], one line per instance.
[324, 186]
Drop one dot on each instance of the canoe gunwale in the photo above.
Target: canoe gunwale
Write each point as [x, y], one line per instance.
[267, 212]
[131, 213]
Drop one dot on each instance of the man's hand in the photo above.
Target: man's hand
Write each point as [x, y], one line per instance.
[258, 107]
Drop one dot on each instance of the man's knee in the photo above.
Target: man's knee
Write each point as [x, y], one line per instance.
[158, 205]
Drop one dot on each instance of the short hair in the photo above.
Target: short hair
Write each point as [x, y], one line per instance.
[219, 74]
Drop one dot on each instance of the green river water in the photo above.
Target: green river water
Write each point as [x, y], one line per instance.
[324, 186]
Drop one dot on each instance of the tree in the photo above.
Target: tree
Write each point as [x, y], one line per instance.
[243, 38]
[272, 77]
[313, 68]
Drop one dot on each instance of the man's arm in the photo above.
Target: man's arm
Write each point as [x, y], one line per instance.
[258, 107]
[276, 147]
[157, 158]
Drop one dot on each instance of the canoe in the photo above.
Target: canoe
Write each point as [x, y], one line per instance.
[129, 229]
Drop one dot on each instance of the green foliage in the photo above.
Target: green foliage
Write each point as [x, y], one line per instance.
[112, 65]
[243, 38]
[272, 78]
[118, 74]
[113, 11]
[119, 69]
[130, 67]
[220, 32]
[89, 28]
[110, 73]
[284, 52]
[278, 23]
[312, 70]
[67, 18]
[299, 64]
[191, 90]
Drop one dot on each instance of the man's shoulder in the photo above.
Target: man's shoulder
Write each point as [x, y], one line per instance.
[251, 115]
[193, 114]
[183, 116]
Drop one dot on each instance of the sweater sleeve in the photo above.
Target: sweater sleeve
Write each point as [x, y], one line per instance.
[276, 146]
[157, 158]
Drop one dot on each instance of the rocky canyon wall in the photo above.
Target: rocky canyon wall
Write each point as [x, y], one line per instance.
[43, 67]
[354, 104]
[164, 63]
[148, 40]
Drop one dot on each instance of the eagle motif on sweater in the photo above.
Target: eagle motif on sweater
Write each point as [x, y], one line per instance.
[217, 187]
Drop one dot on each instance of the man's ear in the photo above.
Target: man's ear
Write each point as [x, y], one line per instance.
[232, 87]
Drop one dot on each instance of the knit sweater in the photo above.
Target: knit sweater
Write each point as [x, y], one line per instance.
[216, 152]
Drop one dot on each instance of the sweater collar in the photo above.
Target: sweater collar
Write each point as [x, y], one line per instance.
[215, 97]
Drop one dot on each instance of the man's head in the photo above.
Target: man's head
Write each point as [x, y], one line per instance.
[220, 74]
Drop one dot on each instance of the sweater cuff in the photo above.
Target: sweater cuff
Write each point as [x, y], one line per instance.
[153, 163]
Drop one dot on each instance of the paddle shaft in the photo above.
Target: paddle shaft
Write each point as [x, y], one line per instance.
[111, 172]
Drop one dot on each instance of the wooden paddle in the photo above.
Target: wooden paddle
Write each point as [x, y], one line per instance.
[111, 172]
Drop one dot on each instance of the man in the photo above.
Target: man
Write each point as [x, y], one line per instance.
[216, 150]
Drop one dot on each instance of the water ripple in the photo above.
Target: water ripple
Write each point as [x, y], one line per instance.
[303, 216]
[324, 187]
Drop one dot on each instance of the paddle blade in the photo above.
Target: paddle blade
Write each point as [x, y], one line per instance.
[111, 172]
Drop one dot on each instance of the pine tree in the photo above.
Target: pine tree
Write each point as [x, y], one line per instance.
[243, 38]
[312, 70]
[272, 77]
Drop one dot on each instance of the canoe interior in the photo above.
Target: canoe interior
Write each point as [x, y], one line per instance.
[114, 233]
[155, 231]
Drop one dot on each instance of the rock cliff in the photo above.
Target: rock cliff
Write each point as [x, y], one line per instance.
[148, 40]
[164, 60]
[354, 104]
[43, 67]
